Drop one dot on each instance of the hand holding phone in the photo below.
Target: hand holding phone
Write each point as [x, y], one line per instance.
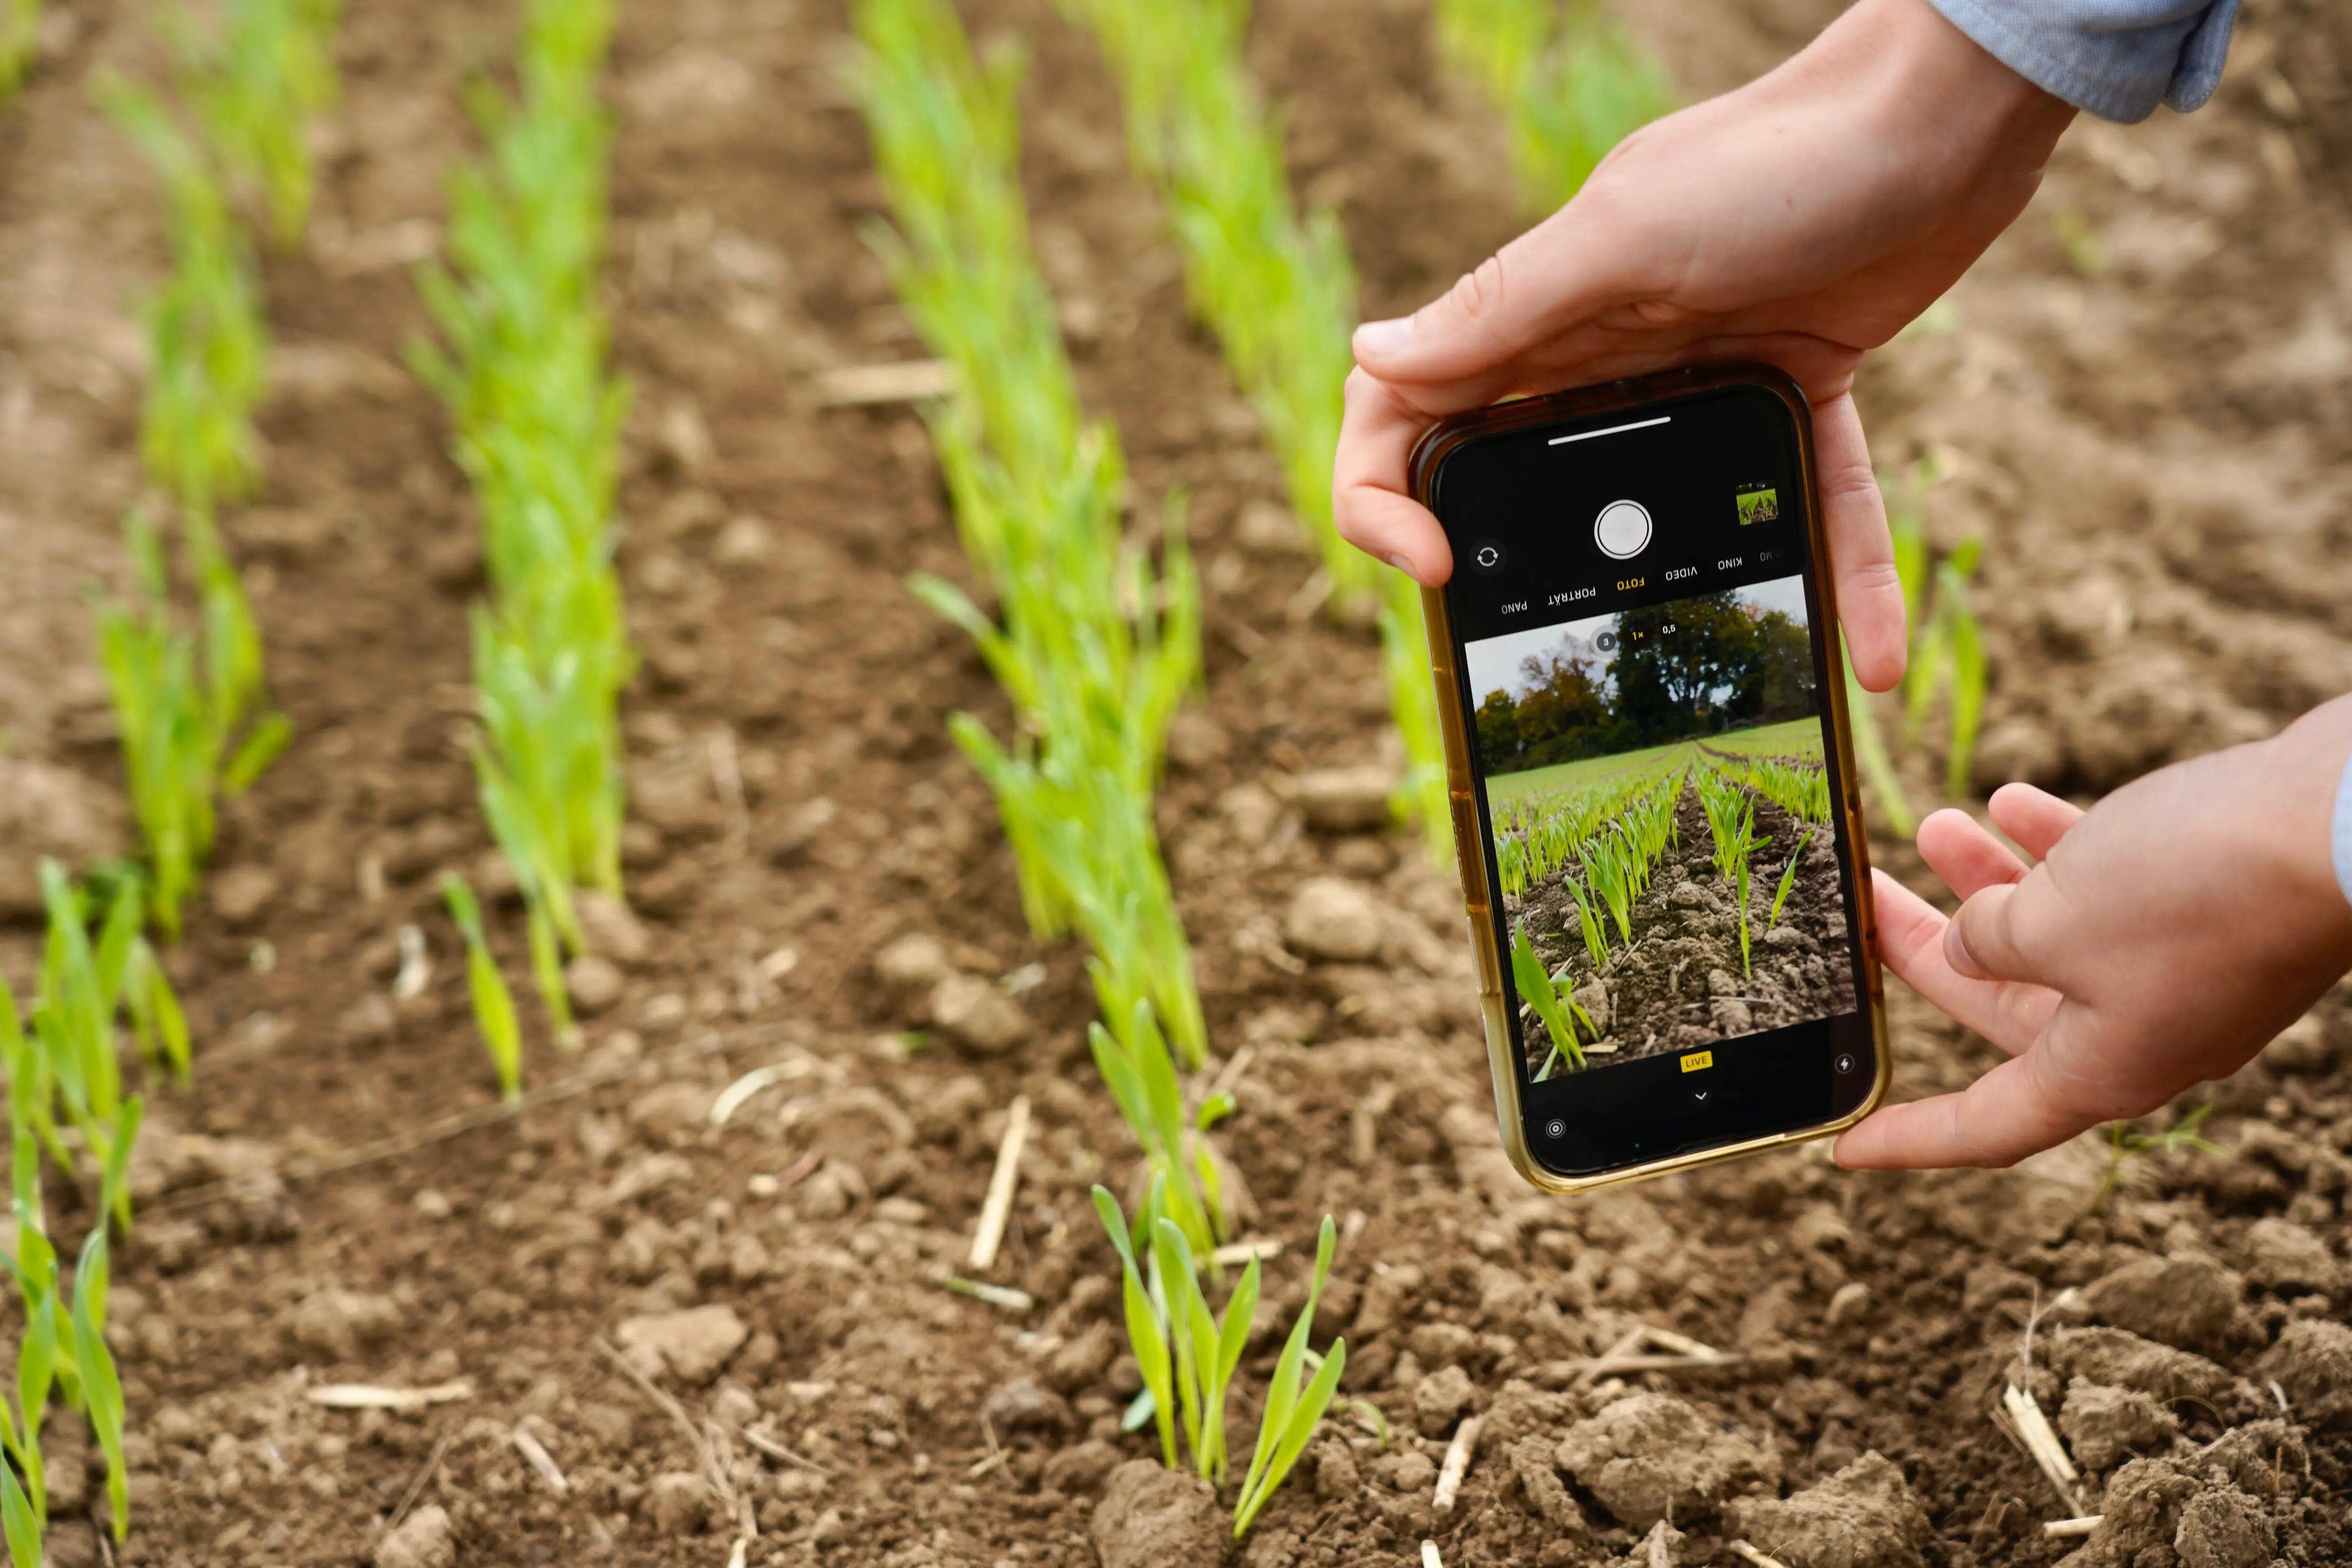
[1660, 844]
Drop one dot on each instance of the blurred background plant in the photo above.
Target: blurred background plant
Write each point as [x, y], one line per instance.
[1278, 290]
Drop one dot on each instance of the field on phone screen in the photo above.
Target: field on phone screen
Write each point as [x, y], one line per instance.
[1690, 900]
[705, 857]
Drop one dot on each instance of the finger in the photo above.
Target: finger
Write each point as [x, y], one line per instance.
[2035, 817]
[1862, 553]
[1911, 942]
[1566, 269]
[1969, 860]
[2016, 1110]
[2008, 932]
[1372, 483]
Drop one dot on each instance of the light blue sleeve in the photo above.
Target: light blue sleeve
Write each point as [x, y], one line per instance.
[2340, 831]
[2114, 59]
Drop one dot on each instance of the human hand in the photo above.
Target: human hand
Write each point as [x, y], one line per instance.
[2164, 937]
[1801, 220]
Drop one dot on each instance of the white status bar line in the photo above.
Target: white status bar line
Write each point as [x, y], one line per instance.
[1612, 430]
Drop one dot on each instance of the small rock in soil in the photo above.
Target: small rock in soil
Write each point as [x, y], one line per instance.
[2284, 1256]
[2224, 1528]
[2104, 1425]
[242, 894]
[340, 1324]
[837, 1188]
[1345, 800]
[1337, 1476]
[1025, 1407]
[1194, 739]
[2124, 1360]
[69, 1542]
[1151, 1517]
[1440, 1399]
[1252, 813]
[369, 1022]
[678, 1502]
[1335, 919]
[2301, 1048]
[1080, 1470]
[977, 1015]
[1390, 1291]
[593, 983]
[2185, 1301]
[612, 928]
[421, 1541]
[1650, 1456]
[2313, 1362]
[1080, 1362]
[2140, 1509]
[671, 1110]
[1865, 1516]
[693, 1344]
[1530, 1459]
[913, 964]
[2261, 1458]
[1406, 1470]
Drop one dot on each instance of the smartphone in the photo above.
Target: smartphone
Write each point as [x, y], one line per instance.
[1652, 786]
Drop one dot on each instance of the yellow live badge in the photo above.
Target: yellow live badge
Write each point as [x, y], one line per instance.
[1698, 1059]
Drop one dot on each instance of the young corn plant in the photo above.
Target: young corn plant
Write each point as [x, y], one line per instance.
[191, 708]
[1278, 290]
[494, 1008]
[20, 41]
[1095, 649]
[1788, 878]
[1141, 1076]
[1188, 1355]
[521, 364]
[1552, 1008]
[1570, 85]
[2124, 1145]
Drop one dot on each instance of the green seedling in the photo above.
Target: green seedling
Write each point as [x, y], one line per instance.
[2124, 1145]
[1095, 649]
[255, 74]
[1187, 1355]
[494, 1008]
[1534, 985]
[20, 42]
[1788, 879]
[1141, 1073]
[100, 1388]
[1588, 925]
[1293, 1413]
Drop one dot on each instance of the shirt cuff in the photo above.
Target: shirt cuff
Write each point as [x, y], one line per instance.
[2339, 835]
[2114, 59]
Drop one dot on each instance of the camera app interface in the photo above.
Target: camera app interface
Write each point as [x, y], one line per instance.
[1648, 719]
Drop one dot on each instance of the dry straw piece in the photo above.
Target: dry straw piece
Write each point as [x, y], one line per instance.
[1002, 1181]
[2033, 1429]
[1458, 1455]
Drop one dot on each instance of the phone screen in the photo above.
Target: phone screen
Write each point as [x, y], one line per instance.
[1640, 644]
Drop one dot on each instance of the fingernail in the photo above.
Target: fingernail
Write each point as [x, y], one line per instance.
[1384, 337]
[1403, 565]
[1955, 953]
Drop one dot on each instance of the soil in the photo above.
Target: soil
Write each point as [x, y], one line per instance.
[1680, 983]
[2159, 458]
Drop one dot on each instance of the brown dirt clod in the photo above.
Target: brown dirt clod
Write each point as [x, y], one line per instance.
[1865, 1516]
[1153, 1517]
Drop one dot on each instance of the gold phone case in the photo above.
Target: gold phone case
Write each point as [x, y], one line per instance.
[1469, 840]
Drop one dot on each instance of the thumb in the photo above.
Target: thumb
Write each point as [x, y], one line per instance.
[2006, 932]
[1548, 280]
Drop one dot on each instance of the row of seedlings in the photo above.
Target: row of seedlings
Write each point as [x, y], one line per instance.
[66, 1102]
[523, 365]
[230, 142]
[1278, 290]
[1096, 651]
[1570, 83]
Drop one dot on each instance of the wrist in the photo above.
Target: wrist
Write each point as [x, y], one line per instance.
[1938, 96]
[2307, 830]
